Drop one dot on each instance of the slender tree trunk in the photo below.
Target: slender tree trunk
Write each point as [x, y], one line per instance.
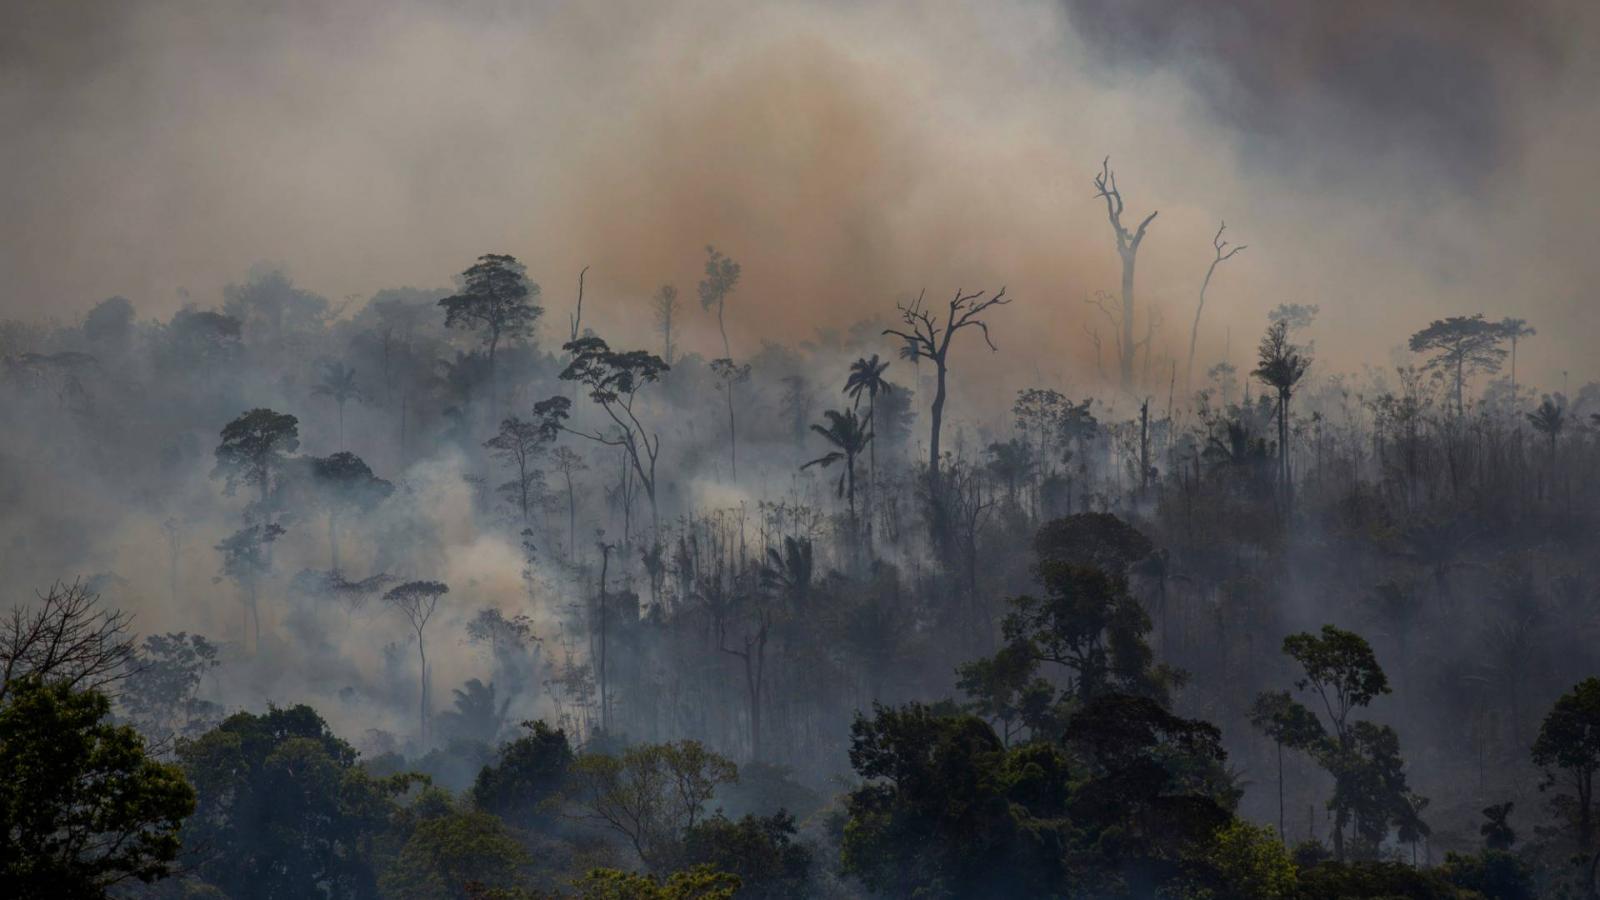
[1280, 792]
[333, 543]
[1128, 255]
[938, 421]
[422, 702]
[733, 436]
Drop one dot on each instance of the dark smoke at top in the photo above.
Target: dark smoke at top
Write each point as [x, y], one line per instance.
[1343, 85]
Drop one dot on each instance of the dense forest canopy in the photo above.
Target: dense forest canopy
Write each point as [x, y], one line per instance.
[742, 505]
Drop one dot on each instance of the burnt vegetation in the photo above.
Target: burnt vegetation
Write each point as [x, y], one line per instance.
[467, 611]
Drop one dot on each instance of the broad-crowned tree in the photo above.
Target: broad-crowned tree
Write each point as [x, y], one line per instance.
[83, 808]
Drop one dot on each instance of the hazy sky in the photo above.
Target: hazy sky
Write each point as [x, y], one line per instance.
[1390, 162]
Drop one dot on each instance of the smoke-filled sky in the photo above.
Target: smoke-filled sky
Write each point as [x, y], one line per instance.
[1390, 162]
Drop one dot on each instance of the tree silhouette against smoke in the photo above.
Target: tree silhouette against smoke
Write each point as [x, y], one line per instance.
[254, 449]
[496, 300]
[417, 600]
[1223, 254]
[866, 377]
[1280, 365]
[722, 276]
[1105, 185]
[1461, 346]
[517, 444]
[665, 307]
[929, 338]
[849, 436]
[614, 379]
[339, 385]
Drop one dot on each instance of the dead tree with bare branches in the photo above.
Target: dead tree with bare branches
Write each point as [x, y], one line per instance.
[1128, 243]
[1223, 254]
[929, 338]
[67, 638]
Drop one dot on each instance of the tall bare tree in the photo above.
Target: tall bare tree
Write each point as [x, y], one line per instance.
[928, 337]
[1105, 185]
[1223, 254]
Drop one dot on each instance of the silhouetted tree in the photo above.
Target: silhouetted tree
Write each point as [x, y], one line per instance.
[930, 338]
[1280, 365]
[338, 384]
[849, 435]
[417, 600]
[1223, 254]
[497, 300]
[614, 379]
[516, 445]
[665, 306]
[83, 808]
[1568, 750]
[722, 276]
[1461, 346]
[253, 450]
[1105, 185]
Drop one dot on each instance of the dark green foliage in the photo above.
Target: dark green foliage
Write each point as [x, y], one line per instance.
[82, 807]
[934, 818]
[453, 857]
[1127, 804]
[1497, 831]
[284, 812]
[1097, 540]
[1375, 881]
[760, 850]
[1089, 624]
[1495, 874]
[528, 773]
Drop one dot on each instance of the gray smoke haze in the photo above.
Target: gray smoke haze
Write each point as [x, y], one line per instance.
[1391, 164]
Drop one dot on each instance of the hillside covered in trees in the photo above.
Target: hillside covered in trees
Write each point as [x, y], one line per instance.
[719, 450]
[472, 613]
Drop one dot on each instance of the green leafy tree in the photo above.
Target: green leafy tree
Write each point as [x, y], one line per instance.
[82, 806]
[456, 856]
[284, 811]
[650, 794]
[699, 883]
[527, 776]
[1370, 790]
[760, 850]
[1288, 724]
[1568, 750]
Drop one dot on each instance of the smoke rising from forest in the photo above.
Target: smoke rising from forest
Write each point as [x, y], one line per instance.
[223, 214]
[1422, 159]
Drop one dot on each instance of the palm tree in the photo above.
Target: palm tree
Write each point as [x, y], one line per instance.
[1549, 420]
[789, 573]
[866, 376]
[1280, 366]
[850, 435]
[339, 383]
